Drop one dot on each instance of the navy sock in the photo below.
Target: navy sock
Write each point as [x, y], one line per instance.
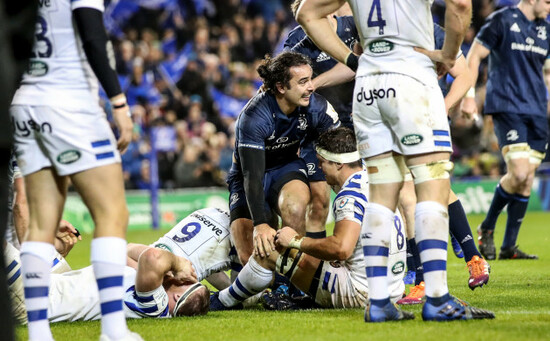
[437, 301]
[380, 303]
[316, 235]
[460, 229]
[500, 199]
[516, 211]
[411, 265]
[416, 256]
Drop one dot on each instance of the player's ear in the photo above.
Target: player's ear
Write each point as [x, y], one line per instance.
[280, 88]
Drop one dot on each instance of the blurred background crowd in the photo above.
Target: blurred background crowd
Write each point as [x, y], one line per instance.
[189, 66]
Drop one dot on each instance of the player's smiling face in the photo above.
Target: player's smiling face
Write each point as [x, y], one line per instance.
[300, 86]
[542, 8]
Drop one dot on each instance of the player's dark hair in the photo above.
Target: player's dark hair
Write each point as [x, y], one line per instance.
[340, 140]
[294, 6]
[277, 70]
[196, 304]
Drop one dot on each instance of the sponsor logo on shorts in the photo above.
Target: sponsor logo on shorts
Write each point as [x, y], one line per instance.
[380, 46]
[37, 68]
[68, 157]
[512, 135]
[311, 169]
[163, 247]
[411, 139]
[398, 268]
[373, 94]
[24, 127]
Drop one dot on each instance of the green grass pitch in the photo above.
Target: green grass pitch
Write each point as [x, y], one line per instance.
[518, 292]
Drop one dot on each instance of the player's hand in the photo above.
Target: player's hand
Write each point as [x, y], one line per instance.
[468, 108]
[442, 63]
[284, 236]
[66, 237]
[263, 240]
[125, 126]
[183, 273]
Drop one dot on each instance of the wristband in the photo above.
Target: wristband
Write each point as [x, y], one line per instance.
[471, 93]
[352, 61]
[296, 242]
[119, 103]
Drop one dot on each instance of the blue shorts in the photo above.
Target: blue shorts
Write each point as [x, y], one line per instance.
[309, 155]
[515, 128]
[274, 180]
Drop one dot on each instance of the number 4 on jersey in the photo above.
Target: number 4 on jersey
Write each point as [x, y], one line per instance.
[379, 22]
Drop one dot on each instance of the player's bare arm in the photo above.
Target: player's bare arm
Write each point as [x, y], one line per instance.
[462, 82]
[312, 16]
[477, 53]
[339, 74]
[154, 264]
[339, 246]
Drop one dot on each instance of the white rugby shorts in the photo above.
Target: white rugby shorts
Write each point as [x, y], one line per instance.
[394, 112]
[69, 141]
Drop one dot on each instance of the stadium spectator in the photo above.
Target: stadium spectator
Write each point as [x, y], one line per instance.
[70, 138]
[516, 41]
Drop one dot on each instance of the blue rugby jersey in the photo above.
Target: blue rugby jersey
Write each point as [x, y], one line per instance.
[340, 96]
[519, 47]
[262, 125]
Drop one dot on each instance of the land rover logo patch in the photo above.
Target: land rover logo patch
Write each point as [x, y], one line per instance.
[380, 46]
[68, 156]
[411, 139]
[37, 68]
[398, 268]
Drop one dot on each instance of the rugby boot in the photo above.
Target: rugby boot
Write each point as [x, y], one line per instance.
[454, 309]
[479, 272]
[415, 295]
[389, 312]
[486, 243]
[515, 253]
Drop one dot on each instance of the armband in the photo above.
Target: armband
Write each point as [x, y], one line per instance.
[352, 61]
[296, 242]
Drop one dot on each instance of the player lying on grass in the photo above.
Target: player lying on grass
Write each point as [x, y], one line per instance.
[157, 284]
[332, 269]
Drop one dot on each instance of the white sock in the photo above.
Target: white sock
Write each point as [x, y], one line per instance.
[252, 279]
[375, 238]
[36, 260]
[109, 260]
[432, 233]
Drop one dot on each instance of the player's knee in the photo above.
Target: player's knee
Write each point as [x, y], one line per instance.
[386, 170]
[438, 170]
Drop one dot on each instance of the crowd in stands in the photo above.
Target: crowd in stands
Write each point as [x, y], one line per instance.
[188, 68]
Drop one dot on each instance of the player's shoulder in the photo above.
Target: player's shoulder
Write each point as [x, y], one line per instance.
[259, 107]
[317, 103]
[294, 37]
[355, 187]
[505, 13]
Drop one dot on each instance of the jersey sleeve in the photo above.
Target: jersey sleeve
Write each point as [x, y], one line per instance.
[346, 207]
[349, 22]
[490, 33]
[96, 4]
[252, 131]
[147, 304]
[327, 117]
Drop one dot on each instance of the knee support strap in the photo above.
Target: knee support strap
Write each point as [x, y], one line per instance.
[287, 262]
[516, 151]
[536, 157]
[386, 170]
[438, 170]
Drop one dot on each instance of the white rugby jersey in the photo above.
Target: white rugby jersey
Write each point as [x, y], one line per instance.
[350, 204]
[389, 29]
[203, 238]
[74, 296]
[59, 74]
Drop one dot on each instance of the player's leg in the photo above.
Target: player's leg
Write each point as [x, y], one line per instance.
[102, 190]
[407, 203]
[292, 204]
[46, 197]
[317, 210]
